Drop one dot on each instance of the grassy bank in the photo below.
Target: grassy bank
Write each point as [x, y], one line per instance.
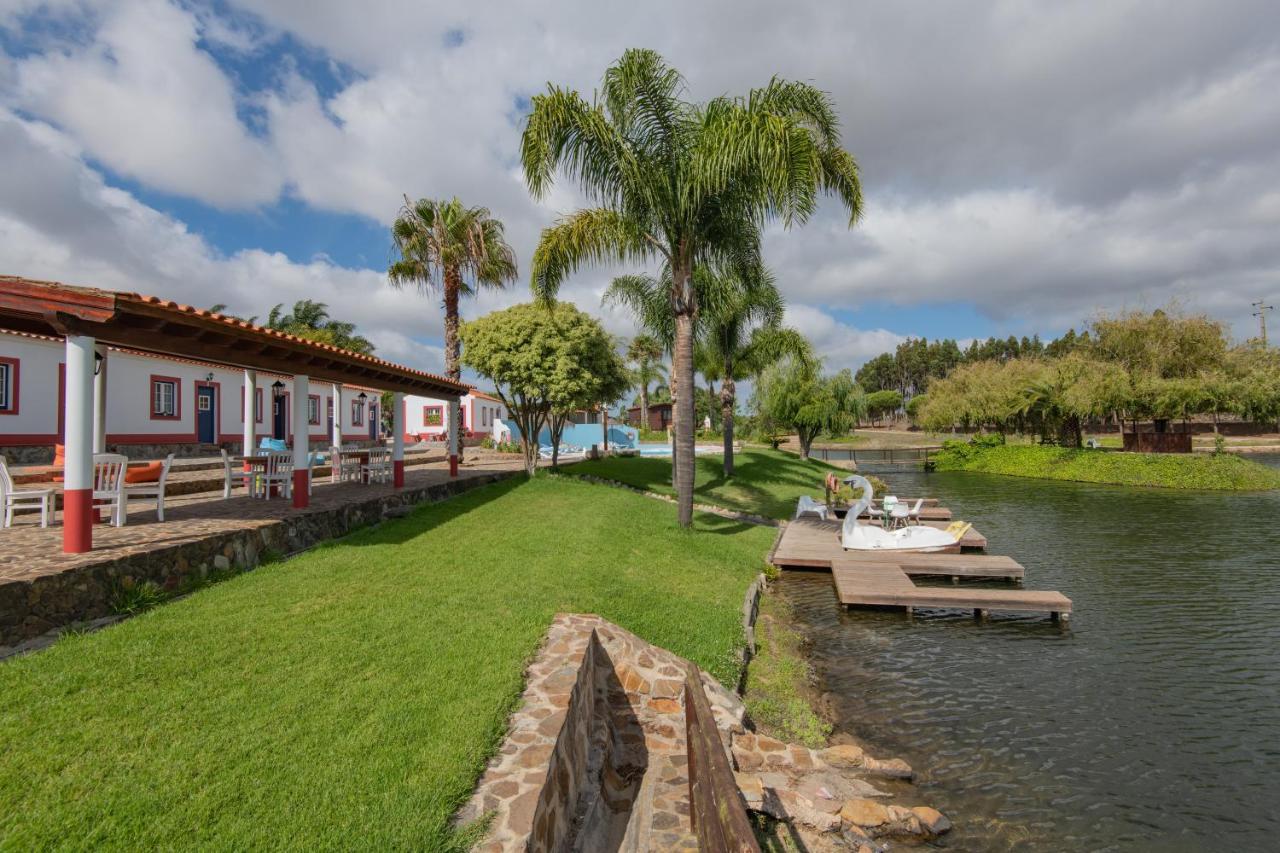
[780, 679]
[348, 698]
[765, 482]
[1163, 470]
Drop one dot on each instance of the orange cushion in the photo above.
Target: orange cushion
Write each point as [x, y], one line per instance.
[148, 473]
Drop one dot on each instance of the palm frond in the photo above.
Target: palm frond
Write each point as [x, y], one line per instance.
[592, 236]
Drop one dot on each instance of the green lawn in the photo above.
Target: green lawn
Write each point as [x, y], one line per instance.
[348, 698]
[1164, 470]
[765, 482]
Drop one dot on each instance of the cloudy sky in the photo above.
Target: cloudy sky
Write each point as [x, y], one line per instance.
[1025, 164]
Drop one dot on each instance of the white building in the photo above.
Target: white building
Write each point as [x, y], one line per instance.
[158, 404]
[427, 419]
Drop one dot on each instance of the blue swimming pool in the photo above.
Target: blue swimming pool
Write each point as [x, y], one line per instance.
[665, 449]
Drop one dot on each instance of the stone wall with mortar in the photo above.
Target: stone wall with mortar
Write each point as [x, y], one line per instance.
[595, 758]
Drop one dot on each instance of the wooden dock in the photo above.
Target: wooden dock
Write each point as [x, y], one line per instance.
[883, 578]
[814, 539]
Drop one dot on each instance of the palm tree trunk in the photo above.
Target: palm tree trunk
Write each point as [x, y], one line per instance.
[452, 346]
[644, 406]
[673, 387]
[684, 413]
[727, 393]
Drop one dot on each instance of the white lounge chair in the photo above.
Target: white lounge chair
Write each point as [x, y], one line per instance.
[108, 485]
[12, 498]
[807, 507]
[152, 490]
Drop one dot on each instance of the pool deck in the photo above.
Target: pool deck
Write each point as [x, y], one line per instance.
[883, 579]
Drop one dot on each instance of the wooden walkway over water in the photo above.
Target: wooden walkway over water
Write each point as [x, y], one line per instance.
[883, 578]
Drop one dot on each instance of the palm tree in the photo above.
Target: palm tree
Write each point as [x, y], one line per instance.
[310, 319]
[644, 353]
[741, 334]
[446, 245]
[688, 184]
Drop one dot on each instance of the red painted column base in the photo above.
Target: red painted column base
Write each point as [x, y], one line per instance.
[397, 473]
[453, 465]
[300, 497]
[77, 521]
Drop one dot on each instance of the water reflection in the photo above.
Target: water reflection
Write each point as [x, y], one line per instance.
[1152, 724]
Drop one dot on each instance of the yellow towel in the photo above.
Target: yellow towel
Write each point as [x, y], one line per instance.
[958, 529]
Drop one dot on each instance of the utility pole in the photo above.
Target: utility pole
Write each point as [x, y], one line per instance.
[1261, 314]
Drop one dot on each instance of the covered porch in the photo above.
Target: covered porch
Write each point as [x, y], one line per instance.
[90, 320]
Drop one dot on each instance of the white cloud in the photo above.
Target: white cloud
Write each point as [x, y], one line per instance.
[1038, 161]
[146, 101]
[838, 344]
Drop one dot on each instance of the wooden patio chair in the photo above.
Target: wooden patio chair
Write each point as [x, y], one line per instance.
[150, 490]
[108, 485]
[12, 498]
[279, 474]
[378, 467]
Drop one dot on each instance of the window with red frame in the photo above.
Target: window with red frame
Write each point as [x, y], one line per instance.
[433, 416]
[257, 404]
[357, 413]
[313, 409]
[8, 386]
[166, 401]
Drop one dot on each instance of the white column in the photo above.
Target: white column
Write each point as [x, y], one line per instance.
[250, 411]
[77, 499]
[301, 441]
[100, 400]
[397, 439]
[455, 414]
[337, 414]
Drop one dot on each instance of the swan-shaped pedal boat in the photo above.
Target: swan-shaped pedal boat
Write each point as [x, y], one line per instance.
[856, 535]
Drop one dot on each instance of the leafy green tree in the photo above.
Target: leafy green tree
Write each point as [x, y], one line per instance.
[543, 360]
[644, 356]
[310, 319]
[685, 184]
[882, 403]
[794, 395]
[447, 246]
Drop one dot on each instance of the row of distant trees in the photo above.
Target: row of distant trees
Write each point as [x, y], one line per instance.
[916, 362]
[1161, 365]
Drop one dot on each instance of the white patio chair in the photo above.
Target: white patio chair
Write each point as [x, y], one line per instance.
[279, 474]
[108, 485]
[150, 490]
[807, 507]
[345, 465]
[226, 474]
[378, 467]
[12, 498]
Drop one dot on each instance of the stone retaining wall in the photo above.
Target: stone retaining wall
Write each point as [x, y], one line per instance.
[31, 608]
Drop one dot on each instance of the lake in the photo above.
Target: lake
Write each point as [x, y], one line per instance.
[1151, 723]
